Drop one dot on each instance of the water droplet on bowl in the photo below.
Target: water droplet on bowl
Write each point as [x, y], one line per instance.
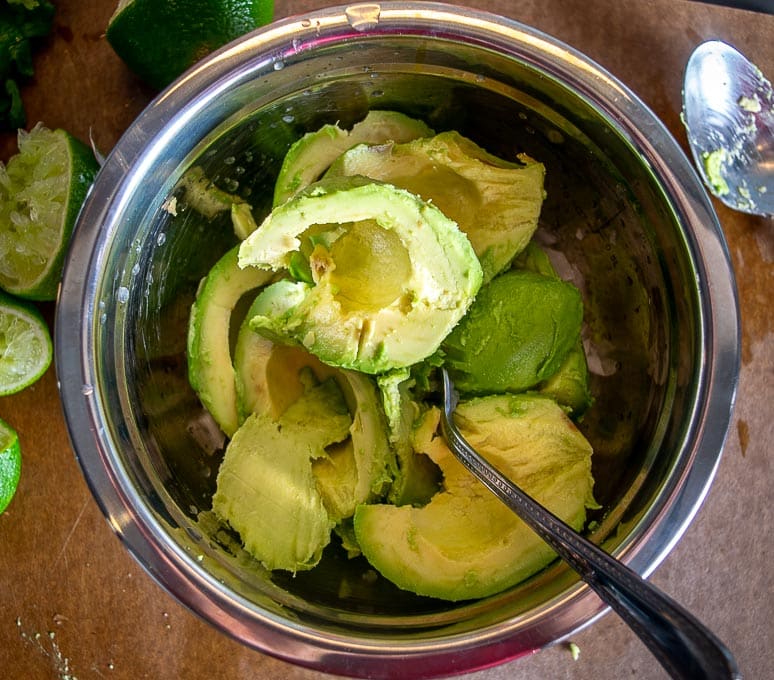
[363, 17]
[122, 295]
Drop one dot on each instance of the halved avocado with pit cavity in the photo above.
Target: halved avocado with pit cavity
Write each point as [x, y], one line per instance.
[396, 276]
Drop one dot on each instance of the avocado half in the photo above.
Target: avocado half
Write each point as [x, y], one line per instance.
[495, 202]
[391, 275]
[465, 543]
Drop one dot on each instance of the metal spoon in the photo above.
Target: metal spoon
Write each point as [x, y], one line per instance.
[683, 646]
[728, 111]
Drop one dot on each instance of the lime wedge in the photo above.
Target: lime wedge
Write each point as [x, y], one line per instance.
[158, 40]
[41, 191]
[25, 345]
[10, 464]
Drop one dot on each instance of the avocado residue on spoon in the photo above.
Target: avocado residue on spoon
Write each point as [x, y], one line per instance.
[390, 251]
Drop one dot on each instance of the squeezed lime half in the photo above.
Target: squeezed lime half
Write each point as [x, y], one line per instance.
[41, 191]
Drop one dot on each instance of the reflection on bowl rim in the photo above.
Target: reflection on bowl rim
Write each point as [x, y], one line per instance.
[78, 312]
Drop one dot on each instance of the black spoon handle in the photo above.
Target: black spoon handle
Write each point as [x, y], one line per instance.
[683, 646]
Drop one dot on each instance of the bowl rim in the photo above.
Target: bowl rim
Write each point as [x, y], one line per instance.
[176, 106]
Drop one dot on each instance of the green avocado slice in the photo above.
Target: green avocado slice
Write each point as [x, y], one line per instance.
[210, 371]
[465, 543]
[396, 278]
[266, 488]
[309, 157]
[569, 386]
[495, 202]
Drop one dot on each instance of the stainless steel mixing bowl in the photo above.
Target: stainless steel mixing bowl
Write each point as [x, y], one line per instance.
[626, 216]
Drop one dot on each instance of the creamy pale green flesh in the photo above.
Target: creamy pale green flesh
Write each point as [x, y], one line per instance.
[311, 155]
[495, 202]
[269, 381]
[393, 279]
[210, 369]
[465, 543]
[266, 487]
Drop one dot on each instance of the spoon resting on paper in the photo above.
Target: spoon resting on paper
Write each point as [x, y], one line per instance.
[683, 646]
[728, 112]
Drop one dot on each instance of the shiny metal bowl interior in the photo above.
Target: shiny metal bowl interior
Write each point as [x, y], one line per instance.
[625, 212]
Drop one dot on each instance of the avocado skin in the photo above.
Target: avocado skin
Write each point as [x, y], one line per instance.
[515, 335]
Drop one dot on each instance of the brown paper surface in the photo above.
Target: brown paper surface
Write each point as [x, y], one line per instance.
[73, 602]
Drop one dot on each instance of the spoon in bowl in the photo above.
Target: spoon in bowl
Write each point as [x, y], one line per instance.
[683, 646]
[728, 112]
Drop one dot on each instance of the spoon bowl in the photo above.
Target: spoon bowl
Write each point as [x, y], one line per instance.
[728, 111]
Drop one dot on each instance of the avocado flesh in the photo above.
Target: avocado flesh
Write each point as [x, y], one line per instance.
[210, 370]
[309, 157]
[517, 333]
[465, 543]
[270, 378]
[416, 477]
[344, 317]
[494, 202]
[569, 386]
[266, 488]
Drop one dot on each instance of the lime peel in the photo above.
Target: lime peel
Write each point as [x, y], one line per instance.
[26, 349]
[10, 464]
[139, 32]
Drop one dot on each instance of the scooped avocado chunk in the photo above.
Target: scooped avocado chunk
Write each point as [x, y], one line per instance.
[569, 386]
[311, 155]
[272, 377]
[394, 276]
[266, 488]
[495, 202]
[516, 334]
[416, 476]
[210, 371]
[466, 543]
